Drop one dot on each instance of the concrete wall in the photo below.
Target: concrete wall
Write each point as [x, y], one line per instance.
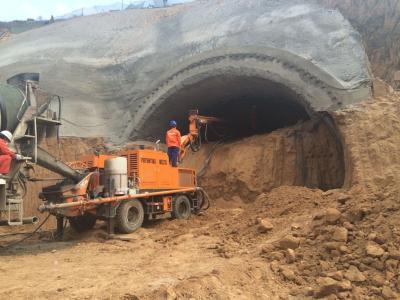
[115, 69]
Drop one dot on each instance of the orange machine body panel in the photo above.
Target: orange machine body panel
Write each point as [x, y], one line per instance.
[167, 203]
[151, 170]
[90, 162]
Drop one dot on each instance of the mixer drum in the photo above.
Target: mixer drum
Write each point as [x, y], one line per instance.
[116, 176]
[12, 106]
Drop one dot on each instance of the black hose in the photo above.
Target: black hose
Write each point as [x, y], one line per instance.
[206, 134]
[22, 182]
[206, 200]
[59, 119]
[27, 237]
[208, 159]
[196, 145]
[59, 107]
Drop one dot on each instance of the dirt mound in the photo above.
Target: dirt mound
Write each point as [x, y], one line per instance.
[330, 243]
[340, 243]
[378, 23]
[307, 154]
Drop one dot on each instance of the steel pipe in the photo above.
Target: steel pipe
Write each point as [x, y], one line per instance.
[97, 201]
[25, 221]
[48, 161]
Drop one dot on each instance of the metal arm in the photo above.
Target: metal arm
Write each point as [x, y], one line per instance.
[192, 139]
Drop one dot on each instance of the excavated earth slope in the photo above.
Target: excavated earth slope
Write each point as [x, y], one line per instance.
[307, 154]
[378, 22]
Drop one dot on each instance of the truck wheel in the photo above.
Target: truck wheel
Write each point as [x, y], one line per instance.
[181, 207]
[82, 223]
[130, 215]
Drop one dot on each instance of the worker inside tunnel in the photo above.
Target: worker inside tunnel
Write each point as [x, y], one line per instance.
[251, 106]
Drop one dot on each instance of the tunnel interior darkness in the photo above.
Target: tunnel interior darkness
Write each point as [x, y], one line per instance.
[251, 105]
[248, 105]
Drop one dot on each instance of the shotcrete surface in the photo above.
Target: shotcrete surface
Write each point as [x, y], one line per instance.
[114, 69]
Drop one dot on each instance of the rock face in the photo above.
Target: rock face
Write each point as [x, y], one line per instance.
[327, 286]
[332, 215]
[124, 74]
[265, 226]
[374, 250]
[340, 234]
[289, 242]
[353, 274]
[290, 255]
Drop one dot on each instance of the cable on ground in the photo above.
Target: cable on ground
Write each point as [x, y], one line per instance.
[26, 237]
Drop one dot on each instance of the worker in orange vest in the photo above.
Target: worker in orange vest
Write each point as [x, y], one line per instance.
[6, 155]
[173, 140]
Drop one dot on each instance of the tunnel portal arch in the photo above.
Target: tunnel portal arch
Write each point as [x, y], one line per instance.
[283, 88]
[309, 85]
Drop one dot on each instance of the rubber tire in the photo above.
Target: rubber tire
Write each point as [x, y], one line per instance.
[82, 223]
[122, 218]
[181, 208]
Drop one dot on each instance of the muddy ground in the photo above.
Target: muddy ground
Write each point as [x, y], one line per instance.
[257, 241]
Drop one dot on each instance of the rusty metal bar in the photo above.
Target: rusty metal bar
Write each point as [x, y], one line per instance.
[49, 207]
[28, 220]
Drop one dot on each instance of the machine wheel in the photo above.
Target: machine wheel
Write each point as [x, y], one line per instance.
[82, 223]
[130, 215]
[181, 207]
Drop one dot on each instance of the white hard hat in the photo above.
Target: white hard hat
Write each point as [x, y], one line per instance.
[7, 135]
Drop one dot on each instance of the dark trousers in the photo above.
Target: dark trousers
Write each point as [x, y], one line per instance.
[173, 155]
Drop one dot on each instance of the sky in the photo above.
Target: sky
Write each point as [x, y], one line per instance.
[23, 9]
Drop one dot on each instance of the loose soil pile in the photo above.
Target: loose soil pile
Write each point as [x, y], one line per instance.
[307, 154]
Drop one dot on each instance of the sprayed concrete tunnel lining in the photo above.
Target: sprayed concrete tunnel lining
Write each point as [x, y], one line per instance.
[249, 105]
[220, 76]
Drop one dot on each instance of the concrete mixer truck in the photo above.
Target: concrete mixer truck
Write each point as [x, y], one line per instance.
[25, 111]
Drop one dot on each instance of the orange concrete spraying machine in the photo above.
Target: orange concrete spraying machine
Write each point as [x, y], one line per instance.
[128, 187]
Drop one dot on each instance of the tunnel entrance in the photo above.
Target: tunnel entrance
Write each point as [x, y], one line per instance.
[248, 105]
[255, 106]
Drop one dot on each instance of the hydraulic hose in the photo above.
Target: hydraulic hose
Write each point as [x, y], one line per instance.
[206, 203]
[26, 237]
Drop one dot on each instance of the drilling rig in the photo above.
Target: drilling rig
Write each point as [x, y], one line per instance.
[25, 110]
